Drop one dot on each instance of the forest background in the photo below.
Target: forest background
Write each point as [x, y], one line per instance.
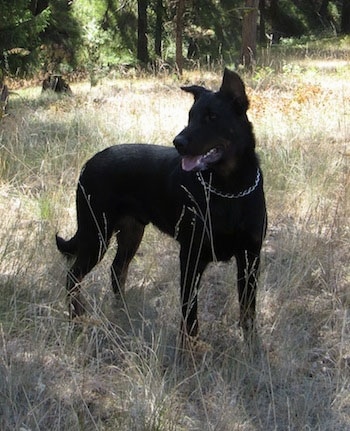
[95, 37]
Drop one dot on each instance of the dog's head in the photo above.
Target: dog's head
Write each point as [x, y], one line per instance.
[218, 130]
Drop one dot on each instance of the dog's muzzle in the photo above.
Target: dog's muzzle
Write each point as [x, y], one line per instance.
[198, 162]
[180, 142]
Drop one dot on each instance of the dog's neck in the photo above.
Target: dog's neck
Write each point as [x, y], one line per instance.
[210, 189]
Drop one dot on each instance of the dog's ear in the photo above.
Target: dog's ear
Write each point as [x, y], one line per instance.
[196, 90]
[233, 87]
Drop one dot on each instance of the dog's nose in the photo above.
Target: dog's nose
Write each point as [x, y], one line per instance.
[180, 142]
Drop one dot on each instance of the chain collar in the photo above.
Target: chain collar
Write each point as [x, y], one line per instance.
[241, 194]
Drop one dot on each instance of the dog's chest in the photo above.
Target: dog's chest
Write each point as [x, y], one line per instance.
[217, 217]
[226, 215]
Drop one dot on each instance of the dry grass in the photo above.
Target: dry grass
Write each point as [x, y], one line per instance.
[120, 369]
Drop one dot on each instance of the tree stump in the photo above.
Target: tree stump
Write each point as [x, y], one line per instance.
[57, 84]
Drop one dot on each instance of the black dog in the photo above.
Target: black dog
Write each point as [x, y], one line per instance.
[207, 192]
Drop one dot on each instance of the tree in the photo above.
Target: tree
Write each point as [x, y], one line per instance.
[180, 10]
[159, 9]
[142, 43]
[323, 11]
[262, 29]
[61, 37]
[249, 32]
[20, 31]
[37, 33]
[345, 17]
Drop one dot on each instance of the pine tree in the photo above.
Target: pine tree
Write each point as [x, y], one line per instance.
[19, 33]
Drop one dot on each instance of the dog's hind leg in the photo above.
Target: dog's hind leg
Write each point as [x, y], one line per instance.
[91, 249]
[247, 274]
[129, 236]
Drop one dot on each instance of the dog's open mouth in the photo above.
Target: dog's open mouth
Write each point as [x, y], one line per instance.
[201, 162]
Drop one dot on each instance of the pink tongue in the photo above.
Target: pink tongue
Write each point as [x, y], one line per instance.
[190, 162]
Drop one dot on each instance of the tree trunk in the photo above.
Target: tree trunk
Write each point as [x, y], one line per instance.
[249, 33]
[180, 9]
[262, 29]
[57, 84]
[345, 17]
[323, 11]
[159, 28]
[142, 46]
[274, 15]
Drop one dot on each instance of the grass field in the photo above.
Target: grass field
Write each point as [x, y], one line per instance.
[119, 368]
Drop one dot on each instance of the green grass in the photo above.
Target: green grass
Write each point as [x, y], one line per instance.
[120, 367]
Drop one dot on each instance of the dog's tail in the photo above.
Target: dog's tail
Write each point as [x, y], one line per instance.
[67, 247]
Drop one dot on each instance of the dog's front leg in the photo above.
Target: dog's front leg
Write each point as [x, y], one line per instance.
[192, 267]
[247, 274]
